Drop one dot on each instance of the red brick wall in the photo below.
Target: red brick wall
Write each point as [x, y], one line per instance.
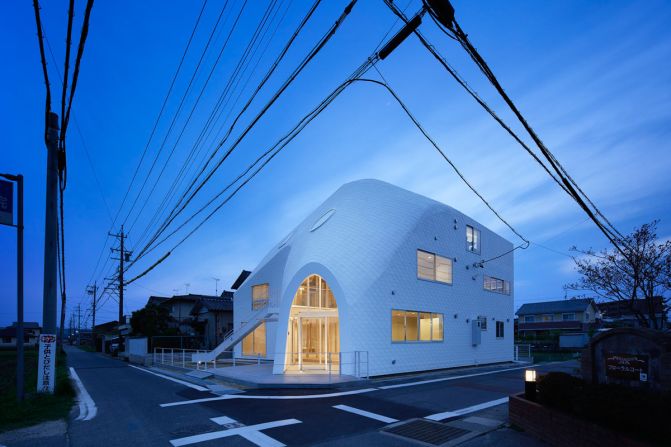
[560, 429]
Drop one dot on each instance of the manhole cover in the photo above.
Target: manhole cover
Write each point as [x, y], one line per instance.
[430, 432]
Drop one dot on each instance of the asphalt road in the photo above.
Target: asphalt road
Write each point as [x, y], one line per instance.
[129, 411]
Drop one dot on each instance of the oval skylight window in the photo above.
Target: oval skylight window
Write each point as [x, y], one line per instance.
[322, 220]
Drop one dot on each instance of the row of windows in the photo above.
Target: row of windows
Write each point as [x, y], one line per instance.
[408, 326]
[434, 267]
[569, 316]
[413, 326]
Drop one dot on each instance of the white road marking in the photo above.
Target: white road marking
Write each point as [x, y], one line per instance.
[223, 420]
[365, 413]
[467, 410]
[87, 408]
[183, 382]
[250, 432]
[444, 379]
[245, 396]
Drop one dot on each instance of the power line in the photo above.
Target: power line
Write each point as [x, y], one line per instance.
[315, 50]
[179, 108]
[212, 119]
[160, 113]
[571, 186]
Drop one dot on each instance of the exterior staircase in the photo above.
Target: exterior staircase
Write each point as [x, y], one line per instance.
[236, 335]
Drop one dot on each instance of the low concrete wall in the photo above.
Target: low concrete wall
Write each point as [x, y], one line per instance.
[136, 350]
[561, 429]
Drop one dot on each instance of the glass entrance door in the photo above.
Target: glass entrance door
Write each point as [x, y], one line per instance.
[312, 339]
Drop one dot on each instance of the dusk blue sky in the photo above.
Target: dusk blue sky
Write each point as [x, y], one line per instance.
[593, 78]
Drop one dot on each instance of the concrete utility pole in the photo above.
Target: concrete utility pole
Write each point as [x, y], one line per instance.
[49, 293]
[93, 290]
[124, 256]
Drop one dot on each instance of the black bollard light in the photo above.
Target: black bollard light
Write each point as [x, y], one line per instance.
[530, 385]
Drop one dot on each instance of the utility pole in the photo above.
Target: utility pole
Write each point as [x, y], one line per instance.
[79, 321]
[93, 290]
[6, 208]
[124, 255]
[49, 294]
[216, 286]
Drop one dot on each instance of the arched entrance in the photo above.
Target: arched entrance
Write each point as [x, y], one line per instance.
[313, 339]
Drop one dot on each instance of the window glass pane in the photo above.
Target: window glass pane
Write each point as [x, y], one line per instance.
[260, 340]
[327, 296]
[248, 345]
[411, 329]
[437, 327]
[443, 269]
[476, 241]
[260, 295]
[397, 325]
[302, 294]
[425, 326]
[313, 291]
[425, 265]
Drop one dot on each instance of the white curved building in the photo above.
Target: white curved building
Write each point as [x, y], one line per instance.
[381, 281]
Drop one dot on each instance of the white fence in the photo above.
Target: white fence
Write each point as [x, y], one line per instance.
[523, 353]
[315, 362]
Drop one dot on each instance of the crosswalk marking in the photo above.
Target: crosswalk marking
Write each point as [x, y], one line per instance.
[365, 413]
[252, 433]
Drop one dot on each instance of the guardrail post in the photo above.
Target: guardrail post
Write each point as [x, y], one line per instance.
[233, 356]
[162, 356]
[172, 357]
[329, 363]
[367, 365]
[339, 363]
[258, 359]
[184, 359]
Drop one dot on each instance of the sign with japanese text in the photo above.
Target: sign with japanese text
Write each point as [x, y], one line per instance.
[627, 366]
[46, 364]
[6, 203]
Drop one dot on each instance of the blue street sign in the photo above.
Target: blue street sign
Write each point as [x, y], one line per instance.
[6, 203]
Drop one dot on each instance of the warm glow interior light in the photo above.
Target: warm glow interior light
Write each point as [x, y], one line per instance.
[530, 375]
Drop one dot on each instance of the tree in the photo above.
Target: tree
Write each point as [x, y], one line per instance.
[150, 321]
[641, 272]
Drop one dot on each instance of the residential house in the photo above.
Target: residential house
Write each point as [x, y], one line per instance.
[215, 316]
[31, 335]
[624, 313]
[547, 318]
[381, 280]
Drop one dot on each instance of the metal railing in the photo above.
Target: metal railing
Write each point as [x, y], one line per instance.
[356, 363]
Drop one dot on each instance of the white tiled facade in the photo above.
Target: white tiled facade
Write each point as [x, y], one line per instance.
[367, 253]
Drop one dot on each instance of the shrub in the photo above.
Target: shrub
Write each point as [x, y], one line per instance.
[638, 412]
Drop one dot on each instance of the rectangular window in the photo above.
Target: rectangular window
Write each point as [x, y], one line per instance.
[416, 326]
[529, 318]
[434, 267]
[254, 344]
[496, 285]
[568, 316]
[260, 296]
[397, 325]
[483, 322]
[411, 331]
[499, 329]
[437, 327]
[472, 239]
[547, 317]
